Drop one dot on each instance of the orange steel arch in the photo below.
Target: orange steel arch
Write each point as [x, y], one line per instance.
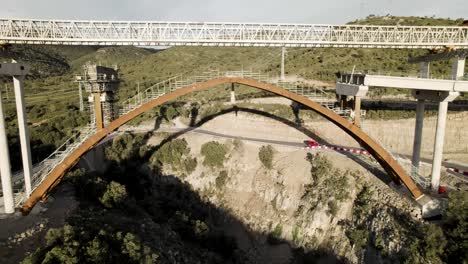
[394, 170]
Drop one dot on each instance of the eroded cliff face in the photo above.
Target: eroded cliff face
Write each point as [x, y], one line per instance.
[318, 204]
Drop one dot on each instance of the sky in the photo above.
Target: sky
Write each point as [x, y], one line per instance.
[285, 11]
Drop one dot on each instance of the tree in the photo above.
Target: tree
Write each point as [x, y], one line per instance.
[175, 154]
[114, 195]
[265, 155]
[214, 153]
[429, 247]
[456, 227]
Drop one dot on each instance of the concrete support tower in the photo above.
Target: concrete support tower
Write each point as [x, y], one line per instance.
[424, 69]
[102, 83]
[418, 136]
[283, 54]
[18, 71]
[343, 90]
[458, 67]
[233, 94]
[442, 98]
[80, 87]
[5, 169]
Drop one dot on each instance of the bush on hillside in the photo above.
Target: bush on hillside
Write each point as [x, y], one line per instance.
[114, 195]
[221, 179]
[214, 153]
[265, 155]
[175, 154]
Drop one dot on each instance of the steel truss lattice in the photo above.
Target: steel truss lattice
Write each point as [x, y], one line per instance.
[157, 33]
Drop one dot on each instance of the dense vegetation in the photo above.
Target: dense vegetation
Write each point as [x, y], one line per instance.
[214, 154]
[134, 213]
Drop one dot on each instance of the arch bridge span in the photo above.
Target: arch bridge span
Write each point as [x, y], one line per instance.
[391, 166]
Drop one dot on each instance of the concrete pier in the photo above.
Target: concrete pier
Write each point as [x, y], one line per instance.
[357, 91]
[443, 98]
[357, 110]
[438, 145]
[424, 69]
[458, 68]
[418, 136]
[5, 169]
[283, 53]
[23, 132]
[233, 94]
[98, 111]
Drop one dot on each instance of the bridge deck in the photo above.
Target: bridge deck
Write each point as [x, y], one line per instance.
[413, 83]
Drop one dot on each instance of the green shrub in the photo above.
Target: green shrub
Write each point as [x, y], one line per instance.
[429, 247]
[190, 164]
[214, 153]
[295, 234]
[358, 238]
[456, 227]
[175, 154]
[265, 155]
[332, 208]
[278, 231]
[114, 195]
[123, 148]
[221, 179]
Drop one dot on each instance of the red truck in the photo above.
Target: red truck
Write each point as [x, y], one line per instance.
[311, 143]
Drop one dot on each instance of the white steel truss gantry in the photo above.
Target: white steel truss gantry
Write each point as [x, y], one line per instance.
[157, 33]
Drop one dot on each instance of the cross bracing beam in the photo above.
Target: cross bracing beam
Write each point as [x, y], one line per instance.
[161, 33]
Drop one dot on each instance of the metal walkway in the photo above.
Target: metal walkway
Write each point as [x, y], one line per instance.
[162, 33]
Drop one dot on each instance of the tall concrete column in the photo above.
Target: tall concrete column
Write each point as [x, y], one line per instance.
[343, 102]
[23, 132]
[283, 51]
[357, 110]
[418, 136]
[80, 87]
[98, 111]
[5, 169]
[439, 145]
[424, 69]
[458, 68]
[233, 94]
